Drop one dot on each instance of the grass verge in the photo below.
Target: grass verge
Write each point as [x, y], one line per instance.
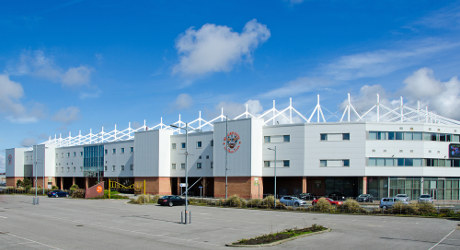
[279, 236]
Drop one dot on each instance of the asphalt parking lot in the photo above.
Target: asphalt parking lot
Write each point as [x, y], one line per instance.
[112, 224]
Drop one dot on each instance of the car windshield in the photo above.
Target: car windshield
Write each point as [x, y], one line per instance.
[401, 195]
[425, 196]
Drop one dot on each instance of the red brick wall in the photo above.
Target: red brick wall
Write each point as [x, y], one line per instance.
[244, 187]
[155, 185]
[92, 192]
[11, 181]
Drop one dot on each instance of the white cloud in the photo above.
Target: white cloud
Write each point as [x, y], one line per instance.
[296, 87]
[382, 62]
[2, 161]
[27, 142]
[233, 109]
[37, 64]
[183, 101]
[367, 97]
[10, 103]
[216, 48]
[441, 97]
[10, 95]
[67, 115]
[76, 76]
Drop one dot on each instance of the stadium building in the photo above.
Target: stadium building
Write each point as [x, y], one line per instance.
[383, 151]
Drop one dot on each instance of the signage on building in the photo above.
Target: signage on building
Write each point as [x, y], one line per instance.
[182, 185]
[10, 159]
[232, 142]
[454, 151]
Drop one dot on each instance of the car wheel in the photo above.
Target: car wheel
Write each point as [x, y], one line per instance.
[170, 204]
[55, 196]
[296, 204]
[384, 207]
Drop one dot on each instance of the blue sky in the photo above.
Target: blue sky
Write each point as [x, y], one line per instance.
[71, 65]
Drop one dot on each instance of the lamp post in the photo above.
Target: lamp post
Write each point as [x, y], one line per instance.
[186, 167]
[275, 172]
[36, 174]
[226, 156]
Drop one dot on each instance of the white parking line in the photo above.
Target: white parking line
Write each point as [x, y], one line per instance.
[31, 241]
[445, 237]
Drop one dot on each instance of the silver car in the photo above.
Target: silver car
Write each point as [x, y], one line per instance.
[388, 202]
[292, 201]
[402, 197]
[425, 198]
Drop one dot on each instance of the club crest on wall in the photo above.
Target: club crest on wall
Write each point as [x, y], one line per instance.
[232, 142]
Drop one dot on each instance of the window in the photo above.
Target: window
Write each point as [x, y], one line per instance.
[105, 168]
[399, 136]
[266, 164]
[346, 163]
[346, 136]
[56, 169]
[81, 153]
[182, 165]
[74, 169]
[113, 168]
[198, 144]
[68, 155]
[266, 139]
[105, 151]
[114, 151]
[286, 163]
[391, 136]
[132, 149]
[183, 145]
[212, 164]
[122, 167]
[323, 137]
[323, 163]
[417, 136]
[286, 138]
[212, 143]
[122, 150]
[198, 165]
[74, 154]
[131, 167]
[199, 157]
[173, 146]
[173, 166]
[62, 169]
[207, 156]
[68, 169]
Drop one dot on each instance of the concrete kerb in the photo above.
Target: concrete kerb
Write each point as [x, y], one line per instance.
[280, 241]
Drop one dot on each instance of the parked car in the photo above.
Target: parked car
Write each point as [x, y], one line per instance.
[388, 202]
[171, 200]
[292, 201]
[365, 198]
[337, 196]
[331, 201]
[425, 198]
[58, 193]
[402, 197]
[306, 196]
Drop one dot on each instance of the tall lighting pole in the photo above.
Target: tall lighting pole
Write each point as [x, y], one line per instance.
[36, 174]
[226, 155]
[275, 173]
[186, 168]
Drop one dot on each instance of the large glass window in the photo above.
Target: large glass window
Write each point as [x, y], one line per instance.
[286, 163]
[399, 136]
[346, 136]
[286, 138]
[93, 160]
[323, 137]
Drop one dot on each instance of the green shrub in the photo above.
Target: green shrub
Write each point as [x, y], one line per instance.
[235, 201]
[446, 212]
[324, 206]
[19, 183]
[254, 203]
[425, 208]
[351, 206]
[268, 202]
[78, 193]
[74, 187]
[54, 187]
[401, 208]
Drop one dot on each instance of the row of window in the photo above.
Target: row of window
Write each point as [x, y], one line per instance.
[277, 138]
[68, 169]
[199, 165]
[122, 150]
[412, 136]
[334, 163]
[68, 154]
[413, 162]
[335, 137]
[284, 163]
[183, 145]
[122, 168]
